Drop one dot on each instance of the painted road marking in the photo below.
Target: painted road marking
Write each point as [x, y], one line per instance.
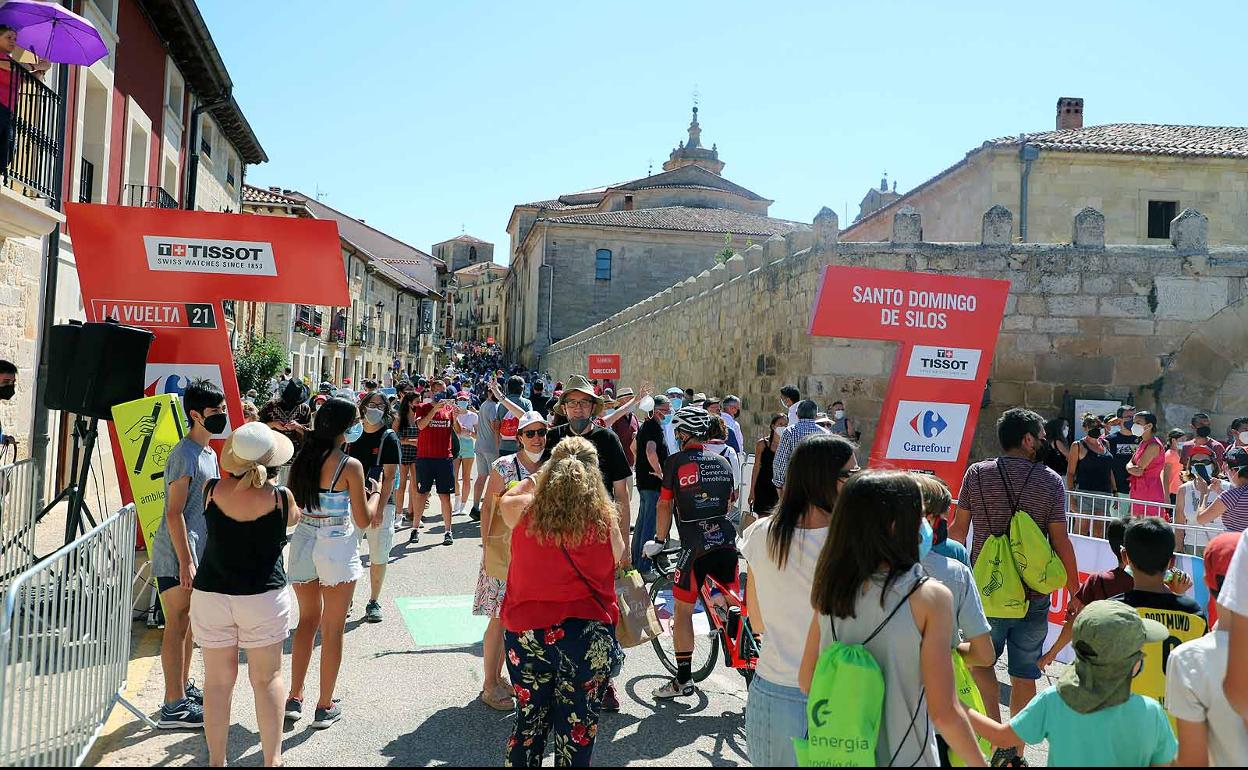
[441, 621]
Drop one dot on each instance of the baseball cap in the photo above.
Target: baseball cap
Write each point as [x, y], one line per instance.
[1237, 457]
[253, 444]
[530, 418]
[1108, 639]
[1217, 558]
[675, 391]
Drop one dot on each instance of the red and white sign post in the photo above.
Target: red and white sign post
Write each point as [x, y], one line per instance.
[604, 367]
[947, 328]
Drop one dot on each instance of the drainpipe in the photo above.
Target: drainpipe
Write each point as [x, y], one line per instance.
[193, 166]
[1027, 153]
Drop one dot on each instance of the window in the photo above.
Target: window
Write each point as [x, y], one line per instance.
[602, 265]
[231, 167]
[174, 93]
[472, 253]
[1160, 214]
[205, 138]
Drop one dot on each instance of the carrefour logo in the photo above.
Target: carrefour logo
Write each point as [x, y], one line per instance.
[208, 255]
[924, 430]
[943, 363]
[929, 424]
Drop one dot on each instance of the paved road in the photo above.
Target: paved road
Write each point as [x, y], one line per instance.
[410, 700]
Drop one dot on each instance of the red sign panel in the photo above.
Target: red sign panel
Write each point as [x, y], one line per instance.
[947, 326]
[604, 367]
[168, 270]
[489, 340]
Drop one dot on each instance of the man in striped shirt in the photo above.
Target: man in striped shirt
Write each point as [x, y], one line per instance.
[807, 411]
[991, 493]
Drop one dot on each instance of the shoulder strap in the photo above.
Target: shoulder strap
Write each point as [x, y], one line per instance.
[1009, 494]
[342, 463]
[282, 501]
[382, 445]
[880, 627]
[211, 485]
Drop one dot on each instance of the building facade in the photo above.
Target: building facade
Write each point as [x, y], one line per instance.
[463, 251]
[1140, 175]
[578, 258]
[478, 303]
[153, 123]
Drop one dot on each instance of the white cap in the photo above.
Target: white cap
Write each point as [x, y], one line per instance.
[531, 417]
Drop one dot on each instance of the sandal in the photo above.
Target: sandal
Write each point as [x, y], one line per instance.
[497, 703]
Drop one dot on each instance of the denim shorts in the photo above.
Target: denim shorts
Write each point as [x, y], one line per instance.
[1023, 637]
[325, 550]
[774, 716]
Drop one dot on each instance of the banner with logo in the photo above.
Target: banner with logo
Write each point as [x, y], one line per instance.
[170, 270]
[946, 327]
[604, 367]
[147, 430]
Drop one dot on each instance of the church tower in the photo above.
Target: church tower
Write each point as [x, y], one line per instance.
[692, 153]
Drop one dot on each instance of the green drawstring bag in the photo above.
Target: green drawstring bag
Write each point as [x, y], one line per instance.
[845, 705]
[996, 575]
[968, 695]
[1034, 556]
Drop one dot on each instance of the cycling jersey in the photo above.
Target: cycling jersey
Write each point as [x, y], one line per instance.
[700, 484]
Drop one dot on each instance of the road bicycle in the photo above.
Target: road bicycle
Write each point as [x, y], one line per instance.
[724, 613]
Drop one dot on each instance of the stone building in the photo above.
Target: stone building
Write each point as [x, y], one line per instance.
[1161, 326]
[1139, 175]
[606, 248]
[462, 251]
[877, 198]
[477, 302]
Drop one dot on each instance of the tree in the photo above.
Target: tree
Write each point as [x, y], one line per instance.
[260, 360]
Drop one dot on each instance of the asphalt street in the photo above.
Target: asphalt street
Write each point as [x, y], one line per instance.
[409, 688]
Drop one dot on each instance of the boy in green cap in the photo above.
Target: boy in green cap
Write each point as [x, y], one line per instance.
[1091, 718]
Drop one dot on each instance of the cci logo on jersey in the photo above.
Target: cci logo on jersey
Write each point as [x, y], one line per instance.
[943, 363]
[209, 255]
[924, 430]
[687, 475]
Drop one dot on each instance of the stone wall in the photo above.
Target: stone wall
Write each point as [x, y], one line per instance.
[1162, 326]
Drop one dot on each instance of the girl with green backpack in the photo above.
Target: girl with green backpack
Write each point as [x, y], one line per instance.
[877, 667]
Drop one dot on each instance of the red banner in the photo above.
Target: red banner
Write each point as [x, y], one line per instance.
[168, 270]
[604, 367]
[947, 326]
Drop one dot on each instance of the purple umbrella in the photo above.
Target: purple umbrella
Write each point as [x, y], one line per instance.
[53, 33]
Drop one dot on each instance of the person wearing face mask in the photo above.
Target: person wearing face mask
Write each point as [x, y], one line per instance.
[435, 462]
[1174, 463]
[842, 425]
[1058, 431]
[651, 454]
[289, 414]
[1147, 468]
[676, 398]
[379, 452]
[763, 493]
[1203, 445]
[1201, 487]
[496, 538]
[178, 547]
[1232, 505]
[465, 427]
[1090, 466]
[1122, 444]
[789, 398]
[992, 492]
[8, 388]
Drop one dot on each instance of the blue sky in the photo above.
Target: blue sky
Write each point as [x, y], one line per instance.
[427, 117]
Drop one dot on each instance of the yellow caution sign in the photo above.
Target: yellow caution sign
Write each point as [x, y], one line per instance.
[147, 430]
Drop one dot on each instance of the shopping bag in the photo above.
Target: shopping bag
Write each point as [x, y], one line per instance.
[638, 622]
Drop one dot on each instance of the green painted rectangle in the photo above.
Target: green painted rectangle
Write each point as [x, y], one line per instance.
[441, 621]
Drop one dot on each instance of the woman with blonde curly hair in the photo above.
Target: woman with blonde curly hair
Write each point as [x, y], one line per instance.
[560, 611]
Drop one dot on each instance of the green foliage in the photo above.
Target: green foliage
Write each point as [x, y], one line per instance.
[259, 360]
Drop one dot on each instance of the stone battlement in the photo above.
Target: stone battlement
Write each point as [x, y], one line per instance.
[1163, 326]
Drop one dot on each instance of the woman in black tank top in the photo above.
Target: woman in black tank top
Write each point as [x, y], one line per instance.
[240, 598]
[1090, 466]
[763, 494]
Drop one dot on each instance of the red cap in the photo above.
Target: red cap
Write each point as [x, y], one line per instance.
[1218, 557]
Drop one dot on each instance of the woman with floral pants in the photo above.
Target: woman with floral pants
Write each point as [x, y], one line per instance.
[559, 611]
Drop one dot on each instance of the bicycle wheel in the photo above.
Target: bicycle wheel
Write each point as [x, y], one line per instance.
[705, 635]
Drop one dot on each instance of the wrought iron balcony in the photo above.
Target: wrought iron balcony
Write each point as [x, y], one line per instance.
[86, 184]
[149, 196]
[31, 154]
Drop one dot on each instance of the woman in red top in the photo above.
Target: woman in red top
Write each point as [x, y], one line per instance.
[560, 611]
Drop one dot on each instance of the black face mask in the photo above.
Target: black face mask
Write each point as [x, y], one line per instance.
[1094, 432]
[215, 423]
[7, 391]
[1203, 431]
[1042, 451]
[941, 534]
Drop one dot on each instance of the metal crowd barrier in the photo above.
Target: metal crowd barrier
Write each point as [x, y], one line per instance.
[18, 513]
[64, 647]
[1090, 514]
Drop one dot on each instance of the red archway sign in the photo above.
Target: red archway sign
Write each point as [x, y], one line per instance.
[947, 327]
[168, 270]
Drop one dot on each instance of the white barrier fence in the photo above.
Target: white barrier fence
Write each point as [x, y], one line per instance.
[65, 646]
[17, 518]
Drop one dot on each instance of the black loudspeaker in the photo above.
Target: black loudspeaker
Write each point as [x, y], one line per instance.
[93, 367]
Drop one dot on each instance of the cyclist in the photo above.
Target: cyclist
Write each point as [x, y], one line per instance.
[699, 483]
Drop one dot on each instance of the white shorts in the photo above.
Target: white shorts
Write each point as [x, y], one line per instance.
[380, 539]
[326, 551]
[222, 620]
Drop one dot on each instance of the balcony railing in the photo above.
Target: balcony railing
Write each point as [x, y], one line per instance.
[32, 156]
[149, 196]
[86, 185]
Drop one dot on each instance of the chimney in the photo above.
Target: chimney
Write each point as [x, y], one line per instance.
[1069, 112]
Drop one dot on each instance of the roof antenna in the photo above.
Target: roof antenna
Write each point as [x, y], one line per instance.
[650, 167]
[320, 194]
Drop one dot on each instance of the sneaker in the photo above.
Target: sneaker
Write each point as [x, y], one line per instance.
[294, 708]
[610, 701]
[194, 693]
[447, 539]
[673, 689]
[475, 513]
[372, 612]
[327, 716]
[415, 536]
[186, 713]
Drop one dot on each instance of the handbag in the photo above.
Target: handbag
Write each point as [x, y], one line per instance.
[498, 542]
[638, 621]
[615, 655]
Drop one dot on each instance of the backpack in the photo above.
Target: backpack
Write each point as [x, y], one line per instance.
[996, 575]
[968, 695]
[845, 705]
[509, 426]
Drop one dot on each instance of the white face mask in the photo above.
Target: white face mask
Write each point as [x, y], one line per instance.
[779, 431]
[1065, 432]
[1243, 437]
[1137, 430]
[533, 457]
[839, 414]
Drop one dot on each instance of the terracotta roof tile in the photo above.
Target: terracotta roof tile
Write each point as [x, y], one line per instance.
[686, 219]
[253, 194]
[1142, 139]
